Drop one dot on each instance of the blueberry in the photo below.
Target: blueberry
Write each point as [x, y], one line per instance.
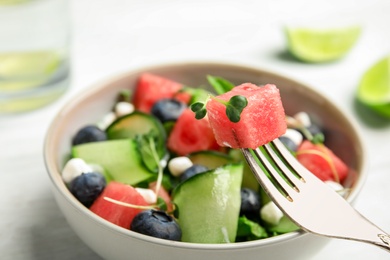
[290, 144]
[87, 187]
[250, 203]
[156, 223]
[89, 134]
[193, 170]
[168, 109]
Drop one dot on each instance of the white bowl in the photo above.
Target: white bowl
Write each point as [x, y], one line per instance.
[113, 242]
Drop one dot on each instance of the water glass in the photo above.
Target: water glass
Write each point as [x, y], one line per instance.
[34, 53]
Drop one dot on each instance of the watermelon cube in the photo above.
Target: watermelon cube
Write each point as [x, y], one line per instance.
[191, 135]
[118, 214]
[322, 162]
[262, 120]
[151, 88]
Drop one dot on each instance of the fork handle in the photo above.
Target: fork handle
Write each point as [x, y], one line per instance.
[381, 239]
[369, 233]
[385, 238]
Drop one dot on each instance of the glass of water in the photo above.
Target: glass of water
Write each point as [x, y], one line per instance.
[34, 53]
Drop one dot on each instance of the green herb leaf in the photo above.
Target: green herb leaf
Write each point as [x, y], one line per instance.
[234, 108]
[199, 94]
[161, 204]
[200, 114]
[146, 145]
[250, 230]
[318, 138]
[240, 102]
[146, 150]
[219, 84]
[197, 106]
[199, 109]
[125, 95]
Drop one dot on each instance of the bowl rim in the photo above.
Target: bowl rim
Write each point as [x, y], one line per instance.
[55, 175]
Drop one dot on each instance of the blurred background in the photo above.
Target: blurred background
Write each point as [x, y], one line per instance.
[108, 37]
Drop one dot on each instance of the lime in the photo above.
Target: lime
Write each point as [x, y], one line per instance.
[321, 45]
[24, 70]
[12, 2]
[374, 88]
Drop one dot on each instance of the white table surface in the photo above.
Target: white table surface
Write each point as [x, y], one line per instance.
[111, 36]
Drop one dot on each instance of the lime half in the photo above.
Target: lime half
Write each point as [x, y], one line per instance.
[24, 70]
[321, 45]
[13, 2]
[374, 88]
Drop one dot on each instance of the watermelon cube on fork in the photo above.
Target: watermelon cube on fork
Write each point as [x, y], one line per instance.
[261, 121]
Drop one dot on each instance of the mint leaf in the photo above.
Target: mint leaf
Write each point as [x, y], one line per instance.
[146, 145]
[147, 149]
[219, 84]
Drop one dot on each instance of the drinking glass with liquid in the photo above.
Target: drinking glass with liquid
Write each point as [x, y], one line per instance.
[34, 53]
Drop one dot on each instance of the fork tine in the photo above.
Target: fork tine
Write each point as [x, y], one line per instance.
[263, 179]
[315, 208]
[291, 177]
[273, 172]
[290, 160]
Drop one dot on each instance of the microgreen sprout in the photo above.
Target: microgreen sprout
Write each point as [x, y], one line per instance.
[129, 205]
[234, 107]
[160, 204]
[147, 147]
[199, 108]
[294, 123]
[157, 160]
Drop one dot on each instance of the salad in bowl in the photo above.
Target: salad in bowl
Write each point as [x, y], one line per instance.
[158, 163]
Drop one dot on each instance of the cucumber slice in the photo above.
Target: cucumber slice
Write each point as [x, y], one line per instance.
[285, 225]
[248, 179]
[135, 125]
[208, 205]
[210, 159]
[120, 159]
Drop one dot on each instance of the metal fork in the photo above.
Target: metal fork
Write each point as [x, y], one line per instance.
[306, 200]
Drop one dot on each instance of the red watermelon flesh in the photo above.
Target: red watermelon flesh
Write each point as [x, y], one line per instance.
[261, 121]
[322, 162]
[151, 88]
[118, 214]
[190, 135]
